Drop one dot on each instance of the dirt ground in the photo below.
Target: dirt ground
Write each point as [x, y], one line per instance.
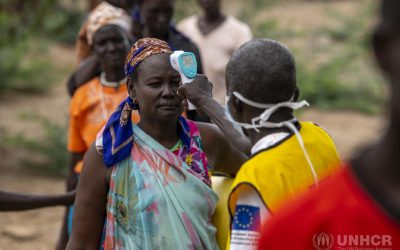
[38, 229]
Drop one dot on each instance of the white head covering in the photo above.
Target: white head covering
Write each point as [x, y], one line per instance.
[105, 14]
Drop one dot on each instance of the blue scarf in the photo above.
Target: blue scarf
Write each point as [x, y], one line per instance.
[118, 133]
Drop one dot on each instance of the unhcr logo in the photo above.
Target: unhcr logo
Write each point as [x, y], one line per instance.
[323, 241]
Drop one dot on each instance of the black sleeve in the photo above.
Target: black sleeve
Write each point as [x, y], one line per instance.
[71, 85]
[86, 71]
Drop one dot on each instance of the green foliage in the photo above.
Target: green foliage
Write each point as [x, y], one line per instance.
[26, 68]
[249, 9]
[325, 87]
[23, 25]
[51, 150]
[62, 24]
[346, 78]
[21, 18]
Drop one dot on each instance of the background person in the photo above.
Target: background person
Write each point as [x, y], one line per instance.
[151, 181]
[217, 37]
[88, 65]
[119, 7]
[363, 200]
[156, 17]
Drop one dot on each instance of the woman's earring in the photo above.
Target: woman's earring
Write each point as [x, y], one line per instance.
[135, 105]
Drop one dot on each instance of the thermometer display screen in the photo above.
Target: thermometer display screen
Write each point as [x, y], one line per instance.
[187, 61]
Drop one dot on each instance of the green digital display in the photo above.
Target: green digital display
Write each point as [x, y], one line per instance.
[187, 60]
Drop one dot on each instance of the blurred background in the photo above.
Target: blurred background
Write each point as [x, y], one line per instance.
[336, 74]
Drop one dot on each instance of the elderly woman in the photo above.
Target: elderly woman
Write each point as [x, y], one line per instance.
[147, 186]
[99, 9]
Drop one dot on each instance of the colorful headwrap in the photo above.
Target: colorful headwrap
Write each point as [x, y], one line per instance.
[118, 134]
[142, 49]
[105, 14]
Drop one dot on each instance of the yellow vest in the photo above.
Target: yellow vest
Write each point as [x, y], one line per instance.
[282, 171]
[221, 218]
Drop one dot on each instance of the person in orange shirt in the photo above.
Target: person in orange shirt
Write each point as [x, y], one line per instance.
[95, 101]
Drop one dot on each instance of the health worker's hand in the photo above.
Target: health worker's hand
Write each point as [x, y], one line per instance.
[198, 91]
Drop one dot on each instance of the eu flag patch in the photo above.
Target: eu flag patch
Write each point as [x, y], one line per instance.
[247, 218]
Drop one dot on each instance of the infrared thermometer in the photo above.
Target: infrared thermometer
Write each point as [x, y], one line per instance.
[185, 63]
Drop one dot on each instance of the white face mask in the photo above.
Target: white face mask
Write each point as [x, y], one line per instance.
[261, 121]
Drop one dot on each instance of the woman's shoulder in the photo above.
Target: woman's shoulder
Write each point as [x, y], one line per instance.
[237, 26]
[234, 22]
[94, 159]
[80, 99]
[187, 23]
[209, 133]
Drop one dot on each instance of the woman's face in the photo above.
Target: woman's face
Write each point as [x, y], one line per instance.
[155, 89]
[111, 45]
[156, 15]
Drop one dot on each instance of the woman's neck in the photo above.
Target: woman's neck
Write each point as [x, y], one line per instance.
[213, 16]
[165, 133]
[210, 21]
[114, 75]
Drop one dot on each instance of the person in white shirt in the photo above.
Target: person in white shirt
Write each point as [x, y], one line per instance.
[217, 37]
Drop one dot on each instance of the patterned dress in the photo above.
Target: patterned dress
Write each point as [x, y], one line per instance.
[160, 198]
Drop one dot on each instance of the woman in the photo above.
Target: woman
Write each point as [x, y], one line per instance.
[151, 182]
[95, 101]
[88, 65]
[98, 8]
